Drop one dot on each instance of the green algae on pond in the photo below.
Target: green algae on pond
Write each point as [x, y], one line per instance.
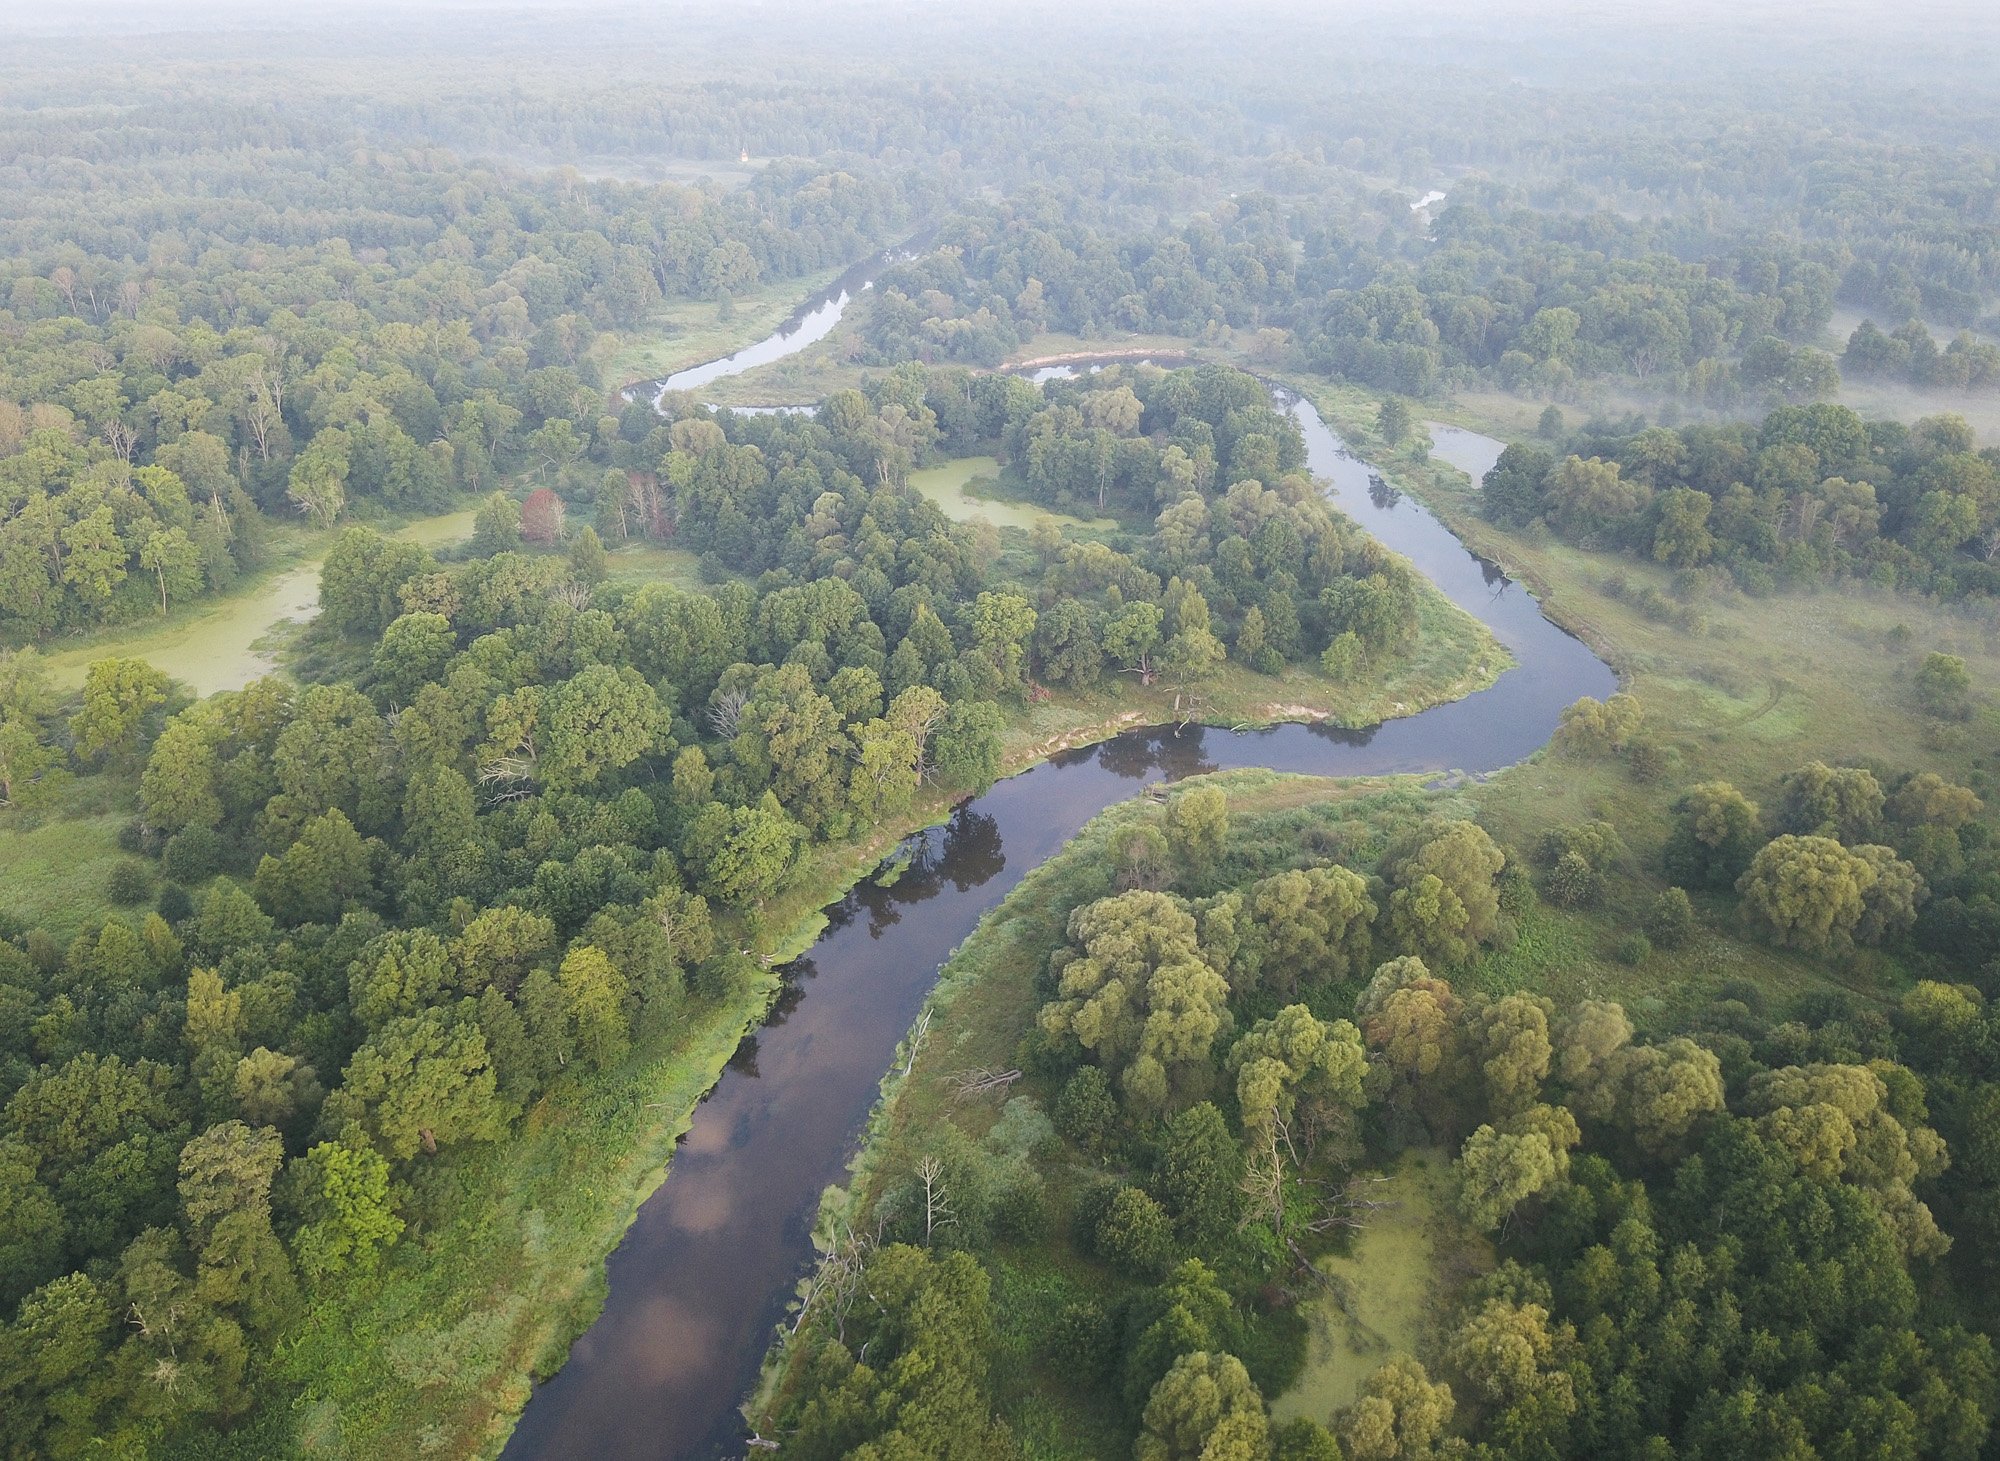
[1384, 1288]
[224, 643]
[946, 486]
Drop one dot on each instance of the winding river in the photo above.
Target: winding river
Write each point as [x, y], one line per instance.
[709, 1263]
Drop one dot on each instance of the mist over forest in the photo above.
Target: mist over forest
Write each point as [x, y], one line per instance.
[899, 730]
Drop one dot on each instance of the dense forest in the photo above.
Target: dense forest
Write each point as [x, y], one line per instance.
[1716, 1237]
[490, 870]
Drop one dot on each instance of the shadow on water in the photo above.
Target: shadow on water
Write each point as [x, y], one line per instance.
[707, 1267]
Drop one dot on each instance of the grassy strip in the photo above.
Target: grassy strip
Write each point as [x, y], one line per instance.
[431, 1355]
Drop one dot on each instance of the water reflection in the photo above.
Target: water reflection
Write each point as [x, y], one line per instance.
[706, 1268]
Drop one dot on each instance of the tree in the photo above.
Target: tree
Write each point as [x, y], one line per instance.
[594, 994]
[174, 560]
[1840, 802]
[744, 854]
[1002, 627]
[1944, 687]
[1594, 728]
[422, 1080]
[1658, 1092]
[542, 518]
[1501, 1167]
[600, 720]
[1204, 1409]
[1400, 1415]
[587, 557]
[1809, 892]
[1198, 828]
[317, 485]
[412, 654]
[1133, 1234]
[31, 772]
[965, 749]
[1509, 1041]
[320, 876]
[1198, 1178]
[119, 695]
[1309, 926]
[1446, 901]
[1512, 492]
[1086, 1113]
[1393, 420]
[1134, 989]
[350, 1212]
[1681, 536]
[1670, 919]
[496, 526]
[1132, 637]
[1511, 1354]
[1717, 830]
[1294, 1065]
[1067, 648]
[31, 1225]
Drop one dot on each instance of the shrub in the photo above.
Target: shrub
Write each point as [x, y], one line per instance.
[174, 904]
[1572, 882]
[128, 884]
[1086, 1112]
[1634, 948]
[192, 855]
[1134, 1235]
[1670, 919]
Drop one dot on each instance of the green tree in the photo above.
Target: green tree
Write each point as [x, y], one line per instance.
[1840, 802]
[1944, 687]
[320, 876]
[1204, 1409]
[1134, 989]
[1809, 892]
[1393, 420]
[412, 654]
[1197, 826]
[1501, 1167]
[1717, 830]
[594, 995]
[422, 1080]
[349, 1209]
[744, 854]
[1446, 900]
[1400, 1415]
[1133, 1234]
[496, 526]
[31, 771]
[118, 695]
[1294, 1064]
[601, 720]
[1198, 1177]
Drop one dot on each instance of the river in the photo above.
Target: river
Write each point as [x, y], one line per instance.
[710, 1261]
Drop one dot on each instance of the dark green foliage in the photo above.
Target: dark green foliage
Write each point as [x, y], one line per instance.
[1670, 919]
[1198, 1178]
[1087, 1113]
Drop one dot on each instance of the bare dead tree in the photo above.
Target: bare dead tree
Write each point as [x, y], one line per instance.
[913, 1046]
[969, 1084]
[572, 592]
[725, 716]
[937, 1201]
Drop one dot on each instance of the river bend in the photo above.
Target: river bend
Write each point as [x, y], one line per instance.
[710, 1261]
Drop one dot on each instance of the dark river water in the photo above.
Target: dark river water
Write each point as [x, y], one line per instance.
[706, 1269]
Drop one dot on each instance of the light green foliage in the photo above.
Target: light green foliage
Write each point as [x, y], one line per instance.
[1400, 1416]
[350, 1211]
[1134, 1234]
[1599, 728]
[1446, 901]
[1841, 802]
[593, 993]
[744, 854]
[1293, 1061]
[1836, 1122]
[1308, 927]
[1509, 1041]
[1809, 891]
[1512, 1355]
[413, 653]
[422, 1080]
[323, 873]
[1135, 989]
[1198, 828]
[1716, 832]
[600, 721]
[1944, 687]
[1501, 1167]
[118, 695]
[1204, 1409]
